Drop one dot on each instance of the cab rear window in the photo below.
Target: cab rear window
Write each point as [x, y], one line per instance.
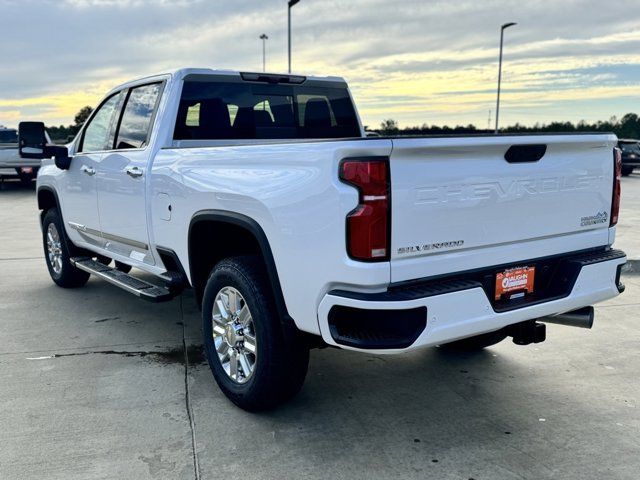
[214, 110]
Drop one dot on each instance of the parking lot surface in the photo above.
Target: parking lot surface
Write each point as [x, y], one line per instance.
[95, 383]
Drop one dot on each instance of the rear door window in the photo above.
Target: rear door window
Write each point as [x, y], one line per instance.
[135, 126]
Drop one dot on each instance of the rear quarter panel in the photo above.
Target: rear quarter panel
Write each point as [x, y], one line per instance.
[292, 191]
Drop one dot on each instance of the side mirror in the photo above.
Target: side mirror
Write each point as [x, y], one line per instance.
[32, 143]
[31, 140]
[60, 154]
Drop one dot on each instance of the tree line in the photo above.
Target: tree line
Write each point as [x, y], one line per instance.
[66, 134]
[626, 127]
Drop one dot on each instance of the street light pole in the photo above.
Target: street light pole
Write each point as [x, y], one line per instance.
[502, 29]
[291, 4]
[264, 39]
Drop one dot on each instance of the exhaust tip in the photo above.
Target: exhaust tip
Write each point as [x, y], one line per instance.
[581, 318]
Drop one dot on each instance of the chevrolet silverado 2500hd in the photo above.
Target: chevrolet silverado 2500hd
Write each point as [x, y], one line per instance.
[262, 193]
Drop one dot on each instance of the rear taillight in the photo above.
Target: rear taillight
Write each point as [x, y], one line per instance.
[617, 177]
[368, 225]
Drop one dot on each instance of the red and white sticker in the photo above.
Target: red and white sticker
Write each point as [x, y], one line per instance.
[520, 279]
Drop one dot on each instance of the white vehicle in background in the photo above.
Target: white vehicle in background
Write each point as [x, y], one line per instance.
[263, 194]
[27, 169]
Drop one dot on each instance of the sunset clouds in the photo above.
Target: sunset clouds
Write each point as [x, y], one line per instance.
[418, 62]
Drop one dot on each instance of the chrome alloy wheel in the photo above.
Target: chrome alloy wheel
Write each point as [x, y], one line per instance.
[234, 334]
[54, 248]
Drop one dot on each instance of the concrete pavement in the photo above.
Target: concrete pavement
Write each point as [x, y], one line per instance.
[96, 384]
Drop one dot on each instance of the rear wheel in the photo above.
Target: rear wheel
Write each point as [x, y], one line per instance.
[626, 171]
[476, 343]
[58, 252]
[254, 363]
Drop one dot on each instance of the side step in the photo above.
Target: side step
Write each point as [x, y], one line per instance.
[140, 288]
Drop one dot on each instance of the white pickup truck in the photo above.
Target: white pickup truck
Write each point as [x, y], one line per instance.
[262, 193]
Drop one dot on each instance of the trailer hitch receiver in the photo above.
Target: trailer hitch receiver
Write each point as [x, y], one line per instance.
[526, 333]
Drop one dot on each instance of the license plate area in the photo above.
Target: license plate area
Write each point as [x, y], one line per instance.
[516, 283]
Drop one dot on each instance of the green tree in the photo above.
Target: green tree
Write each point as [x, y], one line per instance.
[82, 116]
[629, 126]
[62, 134]
[389, 127]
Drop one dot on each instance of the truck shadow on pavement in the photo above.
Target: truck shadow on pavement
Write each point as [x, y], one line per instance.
[426, 408]
[409, 416]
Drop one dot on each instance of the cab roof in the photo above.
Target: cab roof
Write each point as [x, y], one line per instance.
[181, 73]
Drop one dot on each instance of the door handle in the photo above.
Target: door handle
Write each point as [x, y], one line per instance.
[88, 170]
[134, 172]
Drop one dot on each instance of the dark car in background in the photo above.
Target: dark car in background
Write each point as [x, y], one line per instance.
[630, 155]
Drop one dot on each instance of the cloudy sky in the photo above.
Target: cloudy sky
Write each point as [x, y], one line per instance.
[416, 61]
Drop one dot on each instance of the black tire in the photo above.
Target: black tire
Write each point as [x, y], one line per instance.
[282, 360]
[65, 274]
[626, 171]
[476, 343]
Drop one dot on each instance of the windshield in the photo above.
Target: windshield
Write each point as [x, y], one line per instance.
[212, 109]
[8, 136]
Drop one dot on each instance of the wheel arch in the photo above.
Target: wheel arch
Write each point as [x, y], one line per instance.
[47, 198]
[199, 271]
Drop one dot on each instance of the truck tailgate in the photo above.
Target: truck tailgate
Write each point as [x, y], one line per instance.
[458, 204]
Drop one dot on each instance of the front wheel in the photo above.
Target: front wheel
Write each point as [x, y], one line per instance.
[626, 171]
[254, 363]
[57, 252]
